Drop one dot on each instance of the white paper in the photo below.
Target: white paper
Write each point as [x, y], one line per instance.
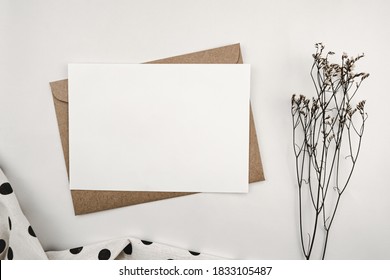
[159, 127]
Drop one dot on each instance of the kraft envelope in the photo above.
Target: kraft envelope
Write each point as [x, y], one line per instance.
[86, 201]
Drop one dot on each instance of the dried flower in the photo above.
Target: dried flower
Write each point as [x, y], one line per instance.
[317, 122]
[365, 75]
[360, 106]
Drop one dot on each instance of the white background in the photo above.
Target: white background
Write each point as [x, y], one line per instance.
[39, 38]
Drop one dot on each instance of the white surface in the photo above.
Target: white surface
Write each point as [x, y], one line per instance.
[40, 37]
[159, 127]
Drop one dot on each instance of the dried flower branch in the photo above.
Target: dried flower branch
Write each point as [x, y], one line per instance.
[325, 129]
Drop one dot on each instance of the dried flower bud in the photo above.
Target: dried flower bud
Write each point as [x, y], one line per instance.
[330, 138]
[359, 56]
[350, 113]
[319, 46]
[365, 75]
[327, 81]
[360, 106]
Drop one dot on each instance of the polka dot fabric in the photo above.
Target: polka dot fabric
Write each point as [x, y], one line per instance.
[127, 249]
[108, 250]
[19, 241]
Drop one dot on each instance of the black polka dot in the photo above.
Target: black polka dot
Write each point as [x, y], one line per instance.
[2, 245]
[194, 253]
[75, 251]
[146, 242]
[10, 254]
[128, 249]
[5, 189]
[9, 223]
[104, 254]
[31, 231]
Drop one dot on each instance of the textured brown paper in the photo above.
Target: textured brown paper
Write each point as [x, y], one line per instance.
[86, 201]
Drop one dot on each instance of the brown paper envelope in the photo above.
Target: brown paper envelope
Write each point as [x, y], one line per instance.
[87, 201]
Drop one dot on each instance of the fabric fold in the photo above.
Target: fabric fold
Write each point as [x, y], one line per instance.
[18, 240]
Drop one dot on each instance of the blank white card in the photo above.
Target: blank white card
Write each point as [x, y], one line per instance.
[159, 127]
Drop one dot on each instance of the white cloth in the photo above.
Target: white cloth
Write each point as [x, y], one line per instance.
[19, 241]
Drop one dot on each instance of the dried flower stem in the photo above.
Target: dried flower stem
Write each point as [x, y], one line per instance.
[326, 128]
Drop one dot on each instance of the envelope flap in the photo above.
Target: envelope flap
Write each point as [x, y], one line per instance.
[230, 54]
[60, 90]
